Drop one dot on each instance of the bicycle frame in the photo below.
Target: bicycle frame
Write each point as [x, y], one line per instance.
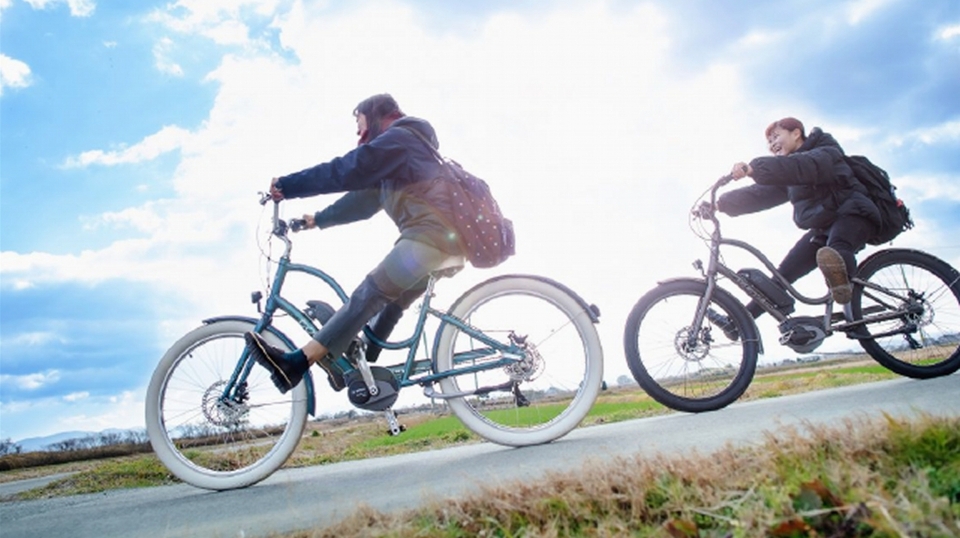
[832, 322]
[409, 372]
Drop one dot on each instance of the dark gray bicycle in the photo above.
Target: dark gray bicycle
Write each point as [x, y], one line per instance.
[693, 346]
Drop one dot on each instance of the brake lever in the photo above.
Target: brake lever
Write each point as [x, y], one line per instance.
[704, 211]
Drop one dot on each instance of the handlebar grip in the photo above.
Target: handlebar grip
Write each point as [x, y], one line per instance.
[298, 224]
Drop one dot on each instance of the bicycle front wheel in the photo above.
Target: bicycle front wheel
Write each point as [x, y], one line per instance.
[924, 340]
[217, 441]
[550, 390]
[692, 369]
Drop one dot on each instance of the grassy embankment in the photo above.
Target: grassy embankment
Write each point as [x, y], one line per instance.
[334, 441]
[887, 477]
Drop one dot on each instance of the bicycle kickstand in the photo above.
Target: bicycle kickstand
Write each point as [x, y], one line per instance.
[395, 427]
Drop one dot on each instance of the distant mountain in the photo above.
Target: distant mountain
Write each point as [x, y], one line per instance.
[36, 444]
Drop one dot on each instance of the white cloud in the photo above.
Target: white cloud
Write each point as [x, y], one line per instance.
[167, 139]
[220, 21]
[121, 411]
[78, 8]
[161, 57]
[78, 411]
[31, 339]
[944, 133]
[859, 10]
[13, 73]
[144, 218]
[916, 188]
[228, 33]
[949, 32]
[31, 381]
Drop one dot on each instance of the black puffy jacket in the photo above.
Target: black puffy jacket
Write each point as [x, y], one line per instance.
[815, 179]
[386, 173]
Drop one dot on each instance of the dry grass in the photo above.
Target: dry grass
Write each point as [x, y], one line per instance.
[886, 477]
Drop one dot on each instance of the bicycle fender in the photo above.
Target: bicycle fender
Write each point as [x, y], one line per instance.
[719, 291]
[887, 251]
[307, 377]
[592, 310]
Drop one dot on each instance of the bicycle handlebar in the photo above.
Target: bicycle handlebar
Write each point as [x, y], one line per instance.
[707, 210]
[298, 224]
[280, 226]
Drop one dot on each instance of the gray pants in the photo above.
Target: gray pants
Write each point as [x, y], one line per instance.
[399, 279]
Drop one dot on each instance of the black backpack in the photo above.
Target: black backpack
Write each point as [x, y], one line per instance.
[485, 236]
[894, 215]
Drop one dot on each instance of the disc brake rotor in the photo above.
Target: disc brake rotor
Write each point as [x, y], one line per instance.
[691, 349]
[225, 413]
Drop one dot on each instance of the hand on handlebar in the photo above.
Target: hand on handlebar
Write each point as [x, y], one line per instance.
[305, 223]
[275, 191]
[740, 171]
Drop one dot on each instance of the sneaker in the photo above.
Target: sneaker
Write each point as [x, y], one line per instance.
[834, 271]
[724, 323]
[284, 372]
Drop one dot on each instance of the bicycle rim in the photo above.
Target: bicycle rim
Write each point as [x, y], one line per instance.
[924, 341]
[555, 384]
[206, 441]
[692, 370]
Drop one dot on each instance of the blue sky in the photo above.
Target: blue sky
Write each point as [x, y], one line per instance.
[134, 137]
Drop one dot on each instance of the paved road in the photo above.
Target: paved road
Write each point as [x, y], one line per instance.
[316, 496]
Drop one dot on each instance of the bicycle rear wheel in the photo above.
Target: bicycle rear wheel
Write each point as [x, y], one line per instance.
[214, 442]
[924, 341]
[684, 368]
[547, 393]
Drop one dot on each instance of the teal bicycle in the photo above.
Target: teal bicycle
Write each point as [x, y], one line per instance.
[516, 358]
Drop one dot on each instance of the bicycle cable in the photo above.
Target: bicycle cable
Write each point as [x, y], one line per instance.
[264, 253]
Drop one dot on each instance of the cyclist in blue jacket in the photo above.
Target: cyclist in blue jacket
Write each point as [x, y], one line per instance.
[385, 171]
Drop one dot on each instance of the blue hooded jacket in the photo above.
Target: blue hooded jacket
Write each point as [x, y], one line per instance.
[390, 172]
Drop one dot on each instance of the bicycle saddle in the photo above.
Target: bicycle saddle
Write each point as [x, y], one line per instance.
[450, 266]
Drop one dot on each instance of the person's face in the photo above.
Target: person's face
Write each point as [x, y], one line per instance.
[362, 126]
[784, 142]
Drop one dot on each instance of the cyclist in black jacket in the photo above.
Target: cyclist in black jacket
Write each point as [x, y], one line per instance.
[383, 172]
[828, 202]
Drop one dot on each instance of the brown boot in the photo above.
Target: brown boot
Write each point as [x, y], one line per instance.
[834, 271]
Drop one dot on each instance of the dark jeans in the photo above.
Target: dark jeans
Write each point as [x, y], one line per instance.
[386, 292]
[848, 235]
